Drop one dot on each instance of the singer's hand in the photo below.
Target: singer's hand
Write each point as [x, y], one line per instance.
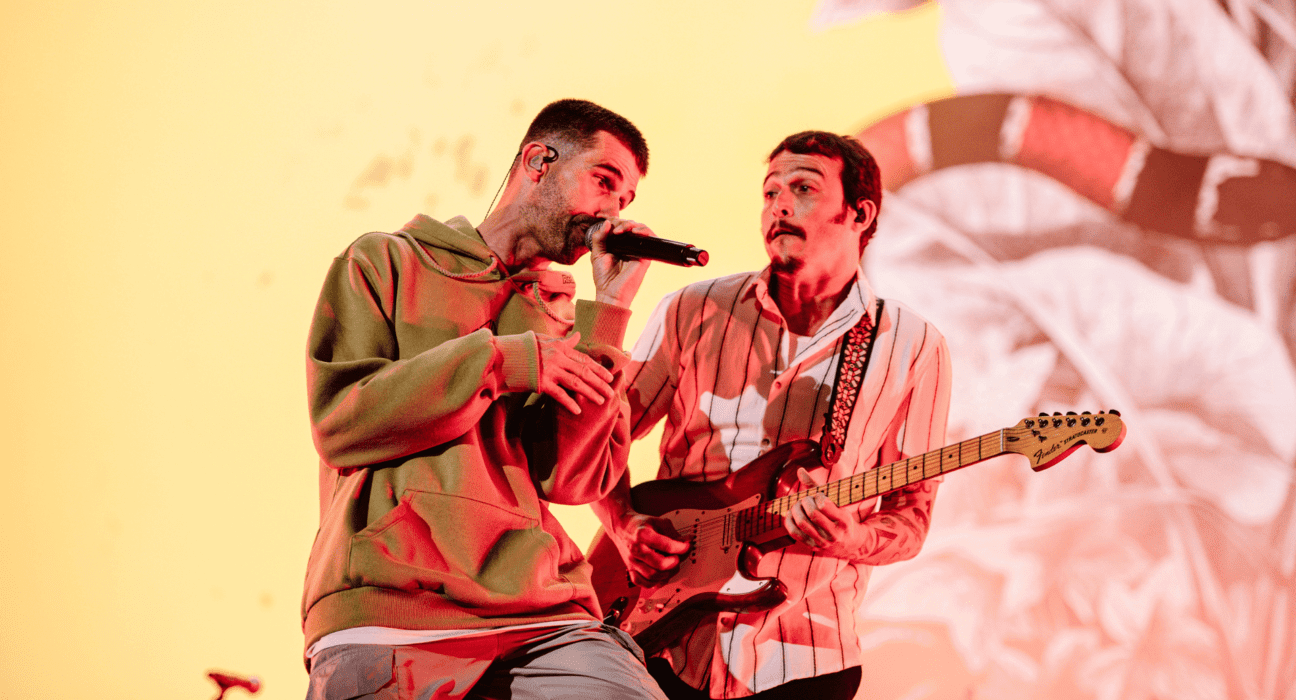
[616, 281]
[565, 369]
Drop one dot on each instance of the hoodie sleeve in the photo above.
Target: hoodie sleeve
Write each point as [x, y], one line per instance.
[367, 406]
[654, 366]
[577, 459]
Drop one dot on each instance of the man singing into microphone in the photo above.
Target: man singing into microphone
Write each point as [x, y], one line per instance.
[744, 363]
[454, 389]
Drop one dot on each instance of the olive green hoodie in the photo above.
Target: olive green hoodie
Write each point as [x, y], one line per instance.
[436, 457]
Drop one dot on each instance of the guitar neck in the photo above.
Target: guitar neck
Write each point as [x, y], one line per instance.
[753, 522]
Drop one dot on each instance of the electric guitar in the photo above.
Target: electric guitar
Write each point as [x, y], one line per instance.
[731, 524]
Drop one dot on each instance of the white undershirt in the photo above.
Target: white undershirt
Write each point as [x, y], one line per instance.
[391, 636]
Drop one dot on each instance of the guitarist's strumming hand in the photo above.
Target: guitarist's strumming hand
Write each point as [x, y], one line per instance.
[831, 530]
[649, 546]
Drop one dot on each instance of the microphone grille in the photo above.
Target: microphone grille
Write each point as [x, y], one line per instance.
[589, 233]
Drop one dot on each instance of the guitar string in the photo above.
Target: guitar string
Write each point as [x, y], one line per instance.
[892, 474]
[765, 516]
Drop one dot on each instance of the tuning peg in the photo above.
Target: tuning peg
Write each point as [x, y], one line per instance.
[1042, 414]
[1030, 422]
[1057, 413]
[1070, 422]
[1085, 421]
[1114, 412]
[1099, 420]
[1071, 413]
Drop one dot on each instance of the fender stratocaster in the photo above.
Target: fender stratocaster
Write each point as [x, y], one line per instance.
[731, 524]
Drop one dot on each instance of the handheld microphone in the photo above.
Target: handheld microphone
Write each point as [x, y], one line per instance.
[633, 245]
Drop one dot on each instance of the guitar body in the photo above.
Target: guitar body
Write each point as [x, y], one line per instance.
[717, 573]
[730, 524]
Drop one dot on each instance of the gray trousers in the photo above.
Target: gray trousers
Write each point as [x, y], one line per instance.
[583, 661]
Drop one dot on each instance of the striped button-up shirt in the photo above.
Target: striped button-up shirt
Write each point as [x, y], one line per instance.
[717, 361]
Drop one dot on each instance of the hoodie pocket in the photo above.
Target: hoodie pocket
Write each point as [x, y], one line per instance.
[475, 553]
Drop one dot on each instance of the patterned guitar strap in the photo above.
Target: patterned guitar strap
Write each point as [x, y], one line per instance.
[856, 352]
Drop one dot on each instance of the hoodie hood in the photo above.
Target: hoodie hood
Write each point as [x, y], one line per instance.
[457, 237]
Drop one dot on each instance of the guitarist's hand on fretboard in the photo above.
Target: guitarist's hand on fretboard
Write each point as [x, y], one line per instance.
[822, 525]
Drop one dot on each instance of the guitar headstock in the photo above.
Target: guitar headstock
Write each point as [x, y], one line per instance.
[1045, 439]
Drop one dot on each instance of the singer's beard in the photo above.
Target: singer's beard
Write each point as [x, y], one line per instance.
[561, 235]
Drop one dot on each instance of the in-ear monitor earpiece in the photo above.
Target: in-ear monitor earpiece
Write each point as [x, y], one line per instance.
[551, 154]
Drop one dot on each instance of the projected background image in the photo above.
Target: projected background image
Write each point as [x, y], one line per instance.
[1093, 200]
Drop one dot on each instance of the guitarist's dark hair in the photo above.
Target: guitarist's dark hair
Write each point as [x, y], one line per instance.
[860, 177]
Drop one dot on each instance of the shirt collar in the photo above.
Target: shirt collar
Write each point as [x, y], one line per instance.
[858, 301]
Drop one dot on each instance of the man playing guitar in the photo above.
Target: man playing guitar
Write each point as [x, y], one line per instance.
[742, 364]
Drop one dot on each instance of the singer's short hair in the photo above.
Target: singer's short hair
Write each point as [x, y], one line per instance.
[860, 177]
[579, 121]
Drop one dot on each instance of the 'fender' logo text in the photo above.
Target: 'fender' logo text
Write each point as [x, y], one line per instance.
[1041, 454]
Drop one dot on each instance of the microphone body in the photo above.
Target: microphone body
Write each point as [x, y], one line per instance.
[633, 245]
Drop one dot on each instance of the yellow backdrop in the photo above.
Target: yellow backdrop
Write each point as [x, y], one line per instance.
[176, 178]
